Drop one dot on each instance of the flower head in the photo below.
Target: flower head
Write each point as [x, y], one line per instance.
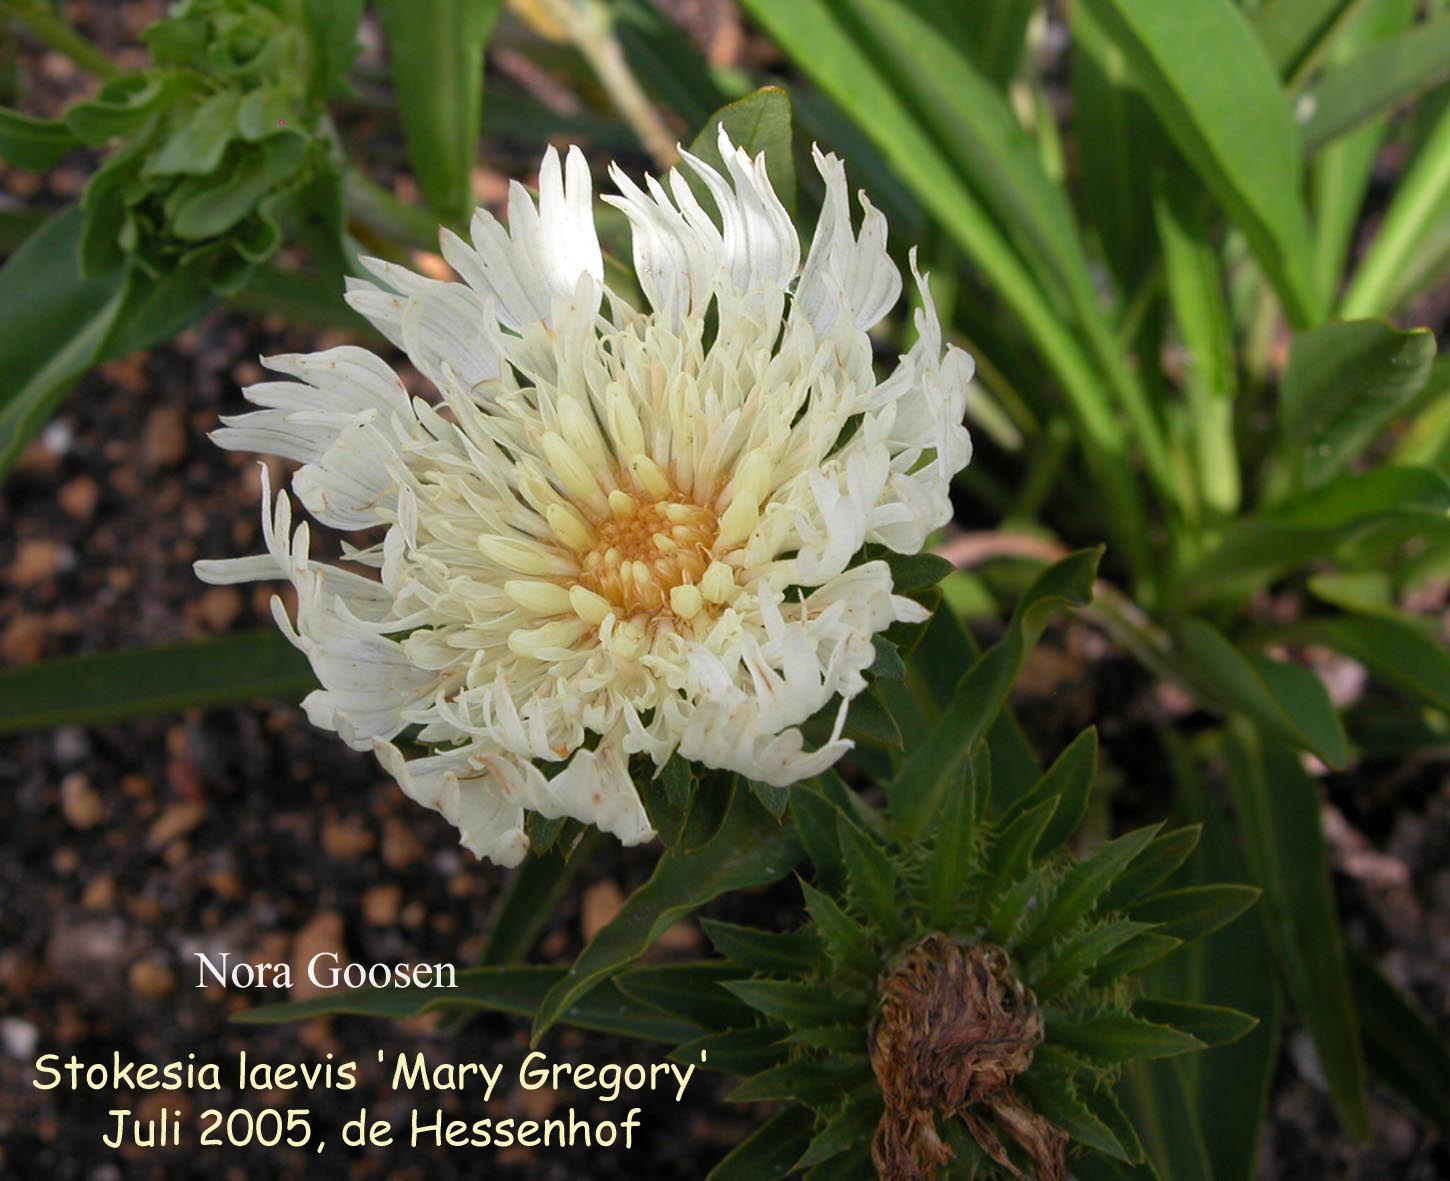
[615, 532]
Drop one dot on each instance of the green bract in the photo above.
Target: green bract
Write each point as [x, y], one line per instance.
[219, 148]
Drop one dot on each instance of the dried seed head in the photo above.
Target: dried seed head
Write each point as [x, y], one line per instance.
[954, 1029]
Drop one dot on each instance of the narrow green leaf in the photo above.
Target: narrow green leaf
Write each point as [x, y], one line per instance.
[1401, 1047]
[759, 122]
[692, 992]
[762, 951]
[935, 766]
[437, 56]
[1168, 851]
[88, 690]
[1132, 958]
[1289, 699]
[793, 1002]
[1195, 911]
[55, 322]
[1078, 892]
[736, 1051]
[1234, 126]
[847, 942]
[816, 821]
[871, 876]
[1400, 651]
[815, 1083]
[1374, 81]
[1415, 217]
[1071, 962]
[332, 27]
[1069, 781]
[1120, 1037]
[1194, 271]
[1213, 1025]
[1298, 32]
[1163, 1113]
[1278, 810]
[951, 858]
[750, 849]
[1054, 1097]
[1346, 382]
[853, 1124]
[770, 1150]
[513, 990]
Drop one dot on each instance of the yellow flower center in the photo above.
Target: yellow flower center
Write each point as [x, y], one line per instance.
[645, 550]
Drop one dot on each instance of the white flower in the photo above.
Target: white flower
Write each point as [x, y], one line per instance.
[615, 532]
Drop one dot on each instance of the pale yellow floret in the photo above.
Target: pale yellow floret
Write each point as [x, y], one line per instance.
[718, 583]
[572, 472]
[591, 608]
[524, 557]
[541, 598]
[686, 601]
[650, 475]
[569, 527]
[532, 641]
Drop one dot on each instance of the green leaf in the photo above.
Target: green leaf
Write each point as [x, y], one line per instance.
[1132, 958]
[33, 144]
[932, 770]
[853, 1124]
[951, 857]
[1234, 126]
[869, 720]
[871, 876]
[812, 1082]
[666, 795]
[847, 942]
[1228, 1085]
[1120, 1037]
[332, 27]
[1346, 382]
[1296, 33]
[1078, 892]
[197, 145]
[1168, 851]
[1278, 810]
[1069, 963]
[123, 105]
[87, 690]
[1287, 698]
[1069, 781]
[691, 992]
[437, 55]
[517, 991]
[815, 821]
[1413, 227]
[1341, 172]
[795, 1003]
[762, 951]
[1195, 911]
[1401, 1048]
[914, 572]
[750, 849]
[1213, 1025]
[1376, 80]
[770, 1150]
[736, 1051]
[1257, 548]
[759, 122]
[1401, 651]
[1194, 271]
[1054, 1096]
[55, 323]
[1158, 1096]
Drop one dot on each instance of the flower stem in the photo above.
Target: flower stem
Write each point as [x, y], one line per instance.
[589, 25]
[51, 30]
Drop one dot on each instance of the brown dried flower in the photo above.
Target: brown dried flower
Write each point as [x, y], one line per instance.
[954, 1029]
